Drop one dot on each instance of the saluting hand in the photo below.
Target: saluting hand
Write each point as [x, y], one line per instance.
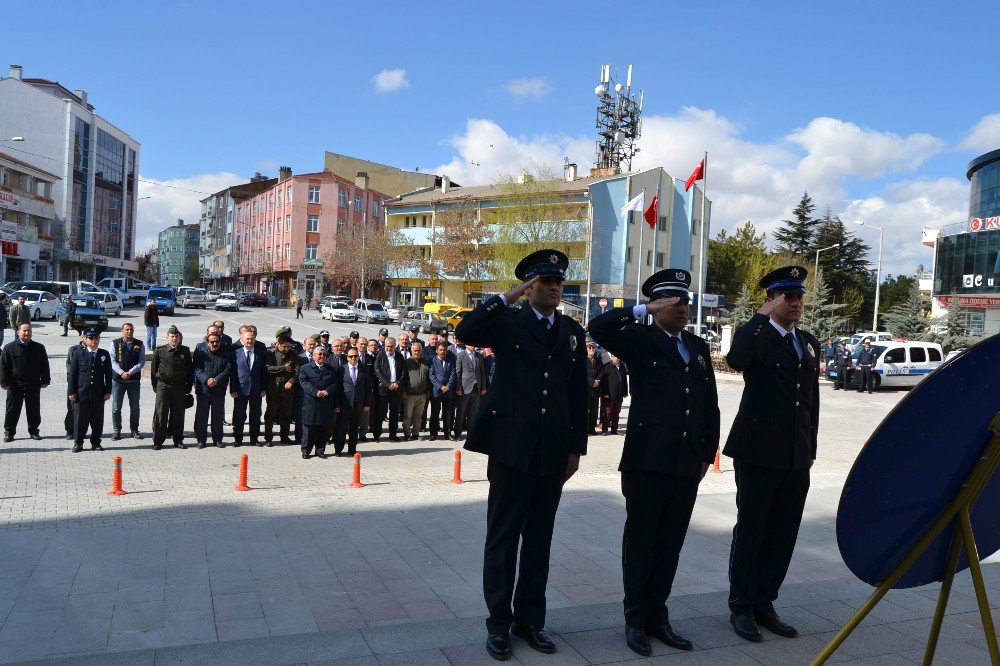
[769, 306]
[653, 307]
[518, 291]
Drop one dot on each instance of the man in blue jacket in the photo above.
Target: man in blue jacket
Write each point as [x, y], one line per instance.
[88, 386]
[247, 384]
[442, 376]
[212, 369]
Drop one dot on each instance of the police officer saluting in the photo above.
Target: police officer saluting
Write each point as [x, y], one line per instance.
[533, 427]
[88, 386]
[672, 436]
[773, 445]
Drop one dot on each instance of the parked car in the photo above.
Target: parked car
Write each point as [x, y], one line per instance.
[89, 313]
[164, 297]
[428, 322]
[898, 364]
[338, 311]
[212, 296]
[110, 301]
[454, 316]
[253, 299]
[227, 301]
[370, 311]
[191, 297]
[41, 304]
[132, 290]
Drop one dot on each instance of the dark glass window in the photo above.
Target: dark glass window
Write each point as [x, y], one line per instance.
[918, 355]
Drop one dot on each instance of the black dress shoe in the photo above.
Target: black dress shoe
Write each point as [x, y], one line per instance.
[178, 445]
[637, 641]
[157, 447]
[535, 637]
[285, 440]
[746, 627]
[116, 437]
[259, 444]
[96, 447]
[393, 438]
[770, 621]
[498, 646]
[220, 445]
[77, 449]
[68, 436]
[666, 633]
[10, 438]
[202, 445]
[305, 456]
[35, 436]
[137, 435]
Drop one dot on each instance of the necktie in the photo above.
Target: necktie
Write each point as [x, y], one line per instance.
[93, 356]
[544, 321]
[790, 342]
[674, 348]
[249, 359]
[354, 374]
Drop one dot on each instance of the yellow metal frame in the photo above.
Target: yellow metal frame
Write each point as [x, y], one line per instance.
[957, 514]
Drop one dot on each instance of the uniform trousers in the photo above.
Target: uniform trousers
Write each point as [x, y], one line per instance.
[242, 404]
[347, 428]
[413, 407]
[841, 381]
[213, 406]
[279, 408]
[168, 413]
[68, 421]
[390, 402]
[28, 397]
[88, 413]
[314, 437]
[466, 406]
[442, 410]
[769, 504]
[658, 509]
[610, 412]
[520, 511]
[865, 384]
[118, 391]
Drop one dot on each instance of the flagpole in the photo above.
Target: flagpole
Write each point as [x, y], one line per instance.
[702, 278]
[638, 270]
[656, 226]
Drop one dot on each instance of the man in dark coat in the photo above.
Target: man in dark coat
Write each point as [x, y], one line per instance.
[614, 389]
[773, 445]
[319, 401]
[390, 372]
[470, 385]
[282, 376]
[24, 372]
[88, 385]
[172, 374]
[672, 436]
[533, 427]
[594, 368]
[442, 379]
[247, 384]
[842, 366]
[212, 369]
[70, 313]
[355, 402]
[866, 365]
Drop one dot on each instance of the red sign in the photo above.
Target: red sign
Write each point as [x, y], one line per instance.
[9, 248]
[984, 223]
[984, 302]
[603, 303]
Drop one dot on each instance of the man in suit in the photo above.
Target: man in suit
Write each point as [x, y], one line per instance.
[614, 389]
[533, 427]
[367, 362]
[773, 445]
[88, 385]
[247, 384]
[470, 384]
[172, 376]
[355, 403]
[24, 372]
[212, 369]
[320, 386]
[672, 435]
[594, 369]
[391, 374]
[442, 379]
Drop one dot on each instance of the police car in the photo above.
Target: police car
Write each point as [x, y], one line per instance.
[899, 363]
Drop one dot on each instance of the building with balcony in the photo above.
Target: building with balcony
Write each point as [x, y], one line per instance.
[177, 255]
[97, 165]
[284, 232]
[218, 264]
[610, 253]
[27, 217]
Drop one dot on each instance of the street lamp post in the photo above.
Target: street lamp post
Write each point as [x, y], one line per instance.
[816, 268]
[13, 138]
[878, 270]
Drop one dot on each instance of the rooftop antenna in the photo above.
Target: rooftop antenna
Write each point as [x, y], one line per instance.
[619, 122]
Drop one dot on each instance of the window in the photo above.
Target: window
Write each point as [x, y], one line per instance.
[897, 355]
[375, 208]
[288, 251]
[918, 355]
[311, 250]
[288, 224]
[935, 355]
[628, 255]
[423, 221]
[342, 198]
[649, 257]
[659, 258]
[662, 224]
[268, 254]
[312, 223]
[288, 195]
[270, 201]
[314, 194]
[406, 221]
[340, 225]
[270, 228]
[357, 202]
[280, 192]
[115, 202]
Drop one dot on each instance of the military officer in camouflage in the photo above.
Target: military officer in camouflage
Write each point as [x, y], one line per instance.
[172, 375]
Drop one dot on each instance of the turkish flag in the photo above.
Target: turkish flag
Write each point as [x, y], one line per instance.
[650, 214]
[696, 175]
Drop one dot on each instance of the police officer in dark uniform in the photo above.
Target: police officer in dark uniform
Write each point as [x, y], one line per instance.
[172, 375]
[88, 385]
[866, 363]
[672, 436]
[773, 445]
[533, 427]
[842, 366]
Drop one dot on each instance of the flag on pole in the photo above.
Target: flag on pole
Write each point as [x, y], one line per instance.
[696, 175]
[638, 203]
[652, 211]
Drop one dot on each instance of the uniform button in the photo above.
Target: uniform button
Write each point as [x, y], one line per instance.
[798, 385]
[545, 391]
[687, 369]
[494, 412]
[545, 374]
[796, 403]
[550, 357]
[687, 412]
[687, 390]
[654, 362]
[684, 434]
[543, 410]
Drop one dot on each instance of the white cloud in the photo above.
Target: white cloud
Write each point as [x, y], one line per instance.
[536, 87]
[985, 135]
[177, 198]
[390, 80]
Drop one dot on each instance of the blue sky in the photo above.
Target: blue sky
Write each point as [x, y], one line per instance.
[876, 108]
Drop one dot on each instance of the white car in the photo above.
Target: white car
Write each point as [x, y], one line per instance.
[191, 297]
[110, 301]
[212, 296]
[41, 304]
[338, 311]
[227, 300]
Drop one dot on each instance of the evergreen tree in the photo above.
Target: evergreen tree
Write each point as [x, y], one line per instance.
[957, 334]
[907, 319]
[844, 266]
[730, 259]
[821, 315]
[796, 236]
[742, 310]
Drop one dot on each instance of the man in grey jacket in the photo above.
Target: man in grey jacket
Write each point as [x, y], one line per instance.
[470, 384]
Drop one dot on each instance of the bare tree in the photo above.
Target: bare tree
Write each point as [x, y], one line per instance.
[363, 255]
[462, 244]
[147, 265]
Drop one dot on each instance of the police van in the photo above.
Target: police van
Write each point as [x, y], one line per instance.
[899, 363]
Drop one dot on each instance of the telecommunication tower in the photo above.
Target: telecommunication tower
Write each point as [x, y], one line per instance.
[619, 122]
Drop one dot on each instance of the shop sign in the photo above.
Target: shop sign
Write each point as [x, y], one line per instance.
[9, 200]
[8, 230]
[983, 302]
[9, 248]
[984, 223]
[44, 255]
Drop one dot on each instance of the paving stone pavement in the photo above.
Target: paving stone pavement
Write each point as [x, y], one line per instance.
[305, 570]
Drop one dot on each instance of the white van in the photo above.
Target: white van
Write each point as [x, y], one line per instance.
[135, 290]
[900, 363]
[371, 311]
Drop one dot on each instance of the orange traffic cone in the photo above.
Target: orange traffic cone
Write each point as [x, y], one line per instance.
[356, 478]
[715, 467]
[242, 485]
[116, 478]
[456, 476]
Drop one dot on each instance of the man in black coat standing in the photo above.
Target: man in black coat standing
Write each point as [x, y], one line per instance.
[212, 369]
[355, 402]
[672, 436]
[390, 372]
[594, 368]
[614, 390]
[320, 387]
[88, 385]
[533, 427]
[24, 372]
[773, 445]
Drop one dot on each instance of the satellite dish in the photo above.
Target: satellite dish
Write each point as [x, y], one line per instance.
[619, 136]
[601, 90]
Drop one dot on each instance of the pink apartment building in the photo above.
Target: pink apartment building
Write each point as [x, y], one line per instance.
[284, 233]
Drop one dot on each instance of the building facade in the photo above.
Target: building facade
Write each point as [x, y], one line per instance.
[177, 255]
[218, 263]
[381, 177]
[27, 216]
[285, 232]
[967, 255]
[97, 164]
[610, 252]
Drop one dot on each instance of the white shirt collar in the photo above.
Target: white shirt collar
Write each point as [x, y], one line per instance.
[551, 317]
[781, 329]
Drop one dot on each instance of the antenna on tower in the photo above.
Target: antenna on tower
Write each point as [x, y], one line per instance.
[619, 123]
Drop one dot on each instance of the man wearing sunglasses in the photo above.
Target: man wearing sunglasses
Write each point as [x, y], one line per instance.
[212, 368]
